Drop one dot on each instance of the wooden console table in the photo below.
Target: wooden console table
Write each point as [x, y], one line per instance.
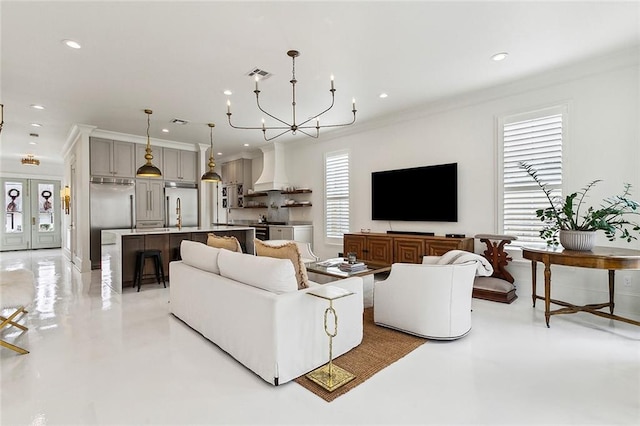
[599, 258]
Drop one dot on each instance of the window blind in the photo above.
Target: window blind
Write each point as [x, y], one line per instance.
[337, 194]
[538, 142]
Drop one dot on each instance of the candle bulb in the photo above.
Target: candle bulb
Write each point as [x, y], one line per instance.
[228, 106]
[257, 82]
[317, 122]
[353, 103]
[331, 81]
[263, 128]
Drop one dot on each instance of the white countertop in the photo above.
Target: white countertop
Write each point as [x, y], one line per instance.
[175, 230]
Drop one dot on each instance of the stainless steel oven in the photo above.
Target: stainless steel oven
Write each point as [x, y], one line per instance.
[262, 231]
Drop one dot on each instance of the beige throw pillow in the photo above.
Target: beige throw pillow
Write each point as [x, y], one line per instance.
[289, 251]
[230, 243]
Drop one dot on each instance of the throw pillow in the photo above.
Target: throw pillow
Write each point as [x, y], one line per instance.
[226, 242]
[288, 250]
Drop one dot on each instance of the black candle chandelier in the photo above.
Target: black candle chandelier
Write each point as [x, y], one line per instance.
[304, 127]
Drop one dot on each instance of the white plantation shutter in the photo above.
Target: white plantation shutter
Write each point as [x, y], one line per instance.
[336, 194]
[535, 139]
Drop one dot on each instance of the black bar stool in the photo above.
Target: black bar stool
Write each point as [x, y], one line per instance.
[141, 257]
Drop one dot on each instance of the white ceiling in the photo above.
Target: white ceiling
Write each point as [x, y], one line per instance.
[177, 57]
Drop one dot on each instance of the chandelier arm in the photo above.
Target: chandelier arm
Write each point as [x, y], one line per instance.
[318, 115]
[264, 133]
[253, 128]
[272, 116]
[334, 125]
[311, 136]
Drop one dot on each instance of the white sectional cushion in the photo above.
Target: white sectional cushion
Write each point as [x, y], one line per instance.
[200, 256]
[268, 273]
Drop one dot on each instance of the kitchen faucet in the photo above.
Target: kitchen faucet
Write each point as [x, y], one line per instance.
[179, 213]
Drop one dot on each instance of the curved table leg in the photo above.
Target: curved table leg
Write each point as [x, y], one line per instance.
[547, 292]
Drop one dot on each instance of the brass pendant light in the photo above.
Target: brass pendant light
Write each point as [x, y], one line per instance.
[210, 175]
[148, 169]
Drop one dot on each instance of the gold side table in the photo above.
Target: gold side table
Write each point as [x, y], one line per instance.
[330, 376]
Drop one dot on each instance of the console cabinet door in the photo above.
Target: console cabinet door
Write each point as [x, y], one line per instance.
[438, 248]
[355, 244]
[380, 249]
[408, 250]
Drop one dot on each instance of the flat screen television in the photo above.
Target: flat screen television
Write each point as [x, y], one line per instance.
[428, 193]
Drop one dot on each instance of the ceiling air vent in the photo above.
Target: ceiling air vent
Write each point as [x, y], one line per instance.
[179, 121]
[261, 73]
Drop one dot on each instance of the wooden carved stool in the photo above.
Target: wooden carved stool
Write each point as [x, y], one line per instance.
[499, 286]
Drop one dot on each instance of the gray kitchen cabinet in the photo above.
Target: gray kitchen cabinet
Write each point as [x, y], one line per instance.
[302, 233]
[237, 172]
[179, 165]
[141, 151]
[149, 201]
[111, 158]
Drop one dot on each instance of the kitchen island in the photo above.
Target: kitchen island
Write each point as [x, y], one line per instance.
[120, 246]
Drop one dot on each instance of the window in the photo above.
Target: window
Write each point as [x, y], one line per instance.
[535, 138]
[336, 177]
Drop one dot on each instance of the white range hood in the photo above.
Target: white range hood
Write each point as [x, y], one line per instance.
[274, 176]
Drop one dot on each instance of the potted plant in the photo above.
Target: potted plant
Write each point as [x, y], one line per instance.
[575, 229]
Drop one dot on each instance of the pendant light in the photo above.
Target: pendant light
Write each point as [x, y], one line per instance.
[148, 169]
[210, 175]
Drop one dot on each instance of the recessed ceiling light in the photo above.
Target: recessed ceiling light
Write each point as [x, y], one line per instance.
[228, 92]
[33, 143]
[246, 144]
[219, 153]
[499, 56]
[36, 124]
[165, 130]
[34, 106]
[72, 44]
[383, 95]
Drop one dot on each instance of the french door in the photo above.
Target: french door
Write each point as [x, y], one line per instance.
[32, 214]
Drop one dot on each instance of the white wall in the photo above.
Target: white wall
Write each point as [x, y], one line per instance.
[603, 143]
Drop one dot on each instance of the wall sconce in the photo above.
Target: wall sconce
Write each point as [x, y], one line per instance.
[65, 198]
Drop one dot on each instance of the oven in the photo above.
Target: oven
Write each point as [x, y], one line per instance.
[262, 231]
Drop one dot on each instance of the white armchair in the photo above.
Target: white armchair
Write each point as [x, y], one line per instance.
[428, 300]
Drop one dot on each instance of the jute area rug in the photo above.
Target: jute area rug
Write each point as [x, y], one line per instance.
[380, 348]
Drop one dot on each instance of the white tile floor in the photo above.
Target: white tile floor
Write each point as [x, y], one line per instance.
[102, 358]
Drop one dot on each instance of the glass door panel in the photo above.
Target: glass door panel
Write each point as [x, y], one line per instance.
[16, 231]
[46, 210]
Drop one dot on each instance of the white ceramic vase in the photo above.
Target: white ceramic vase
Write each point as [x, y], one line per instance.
[578, 240]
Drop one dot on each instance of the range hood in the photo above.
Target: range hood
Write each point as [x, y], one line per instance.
[274, 176]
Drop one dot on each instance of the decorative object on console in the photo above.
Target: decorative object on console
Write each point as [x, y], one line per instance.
[230, 242]
[499, 286]
[286, 250]
[148, 169]
[210, 175]
[292, 127]
[564, 215]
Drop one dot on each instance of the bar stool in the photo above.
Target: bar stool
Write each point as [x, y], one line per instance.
[141, 257]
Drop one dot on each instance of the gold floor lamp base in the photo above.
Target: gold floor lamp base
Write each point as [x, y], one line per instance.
[330, 379]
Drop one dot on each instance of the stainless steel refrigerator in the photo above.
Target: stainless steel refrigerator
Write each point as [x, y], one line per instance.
[111, 207]
[188, 194]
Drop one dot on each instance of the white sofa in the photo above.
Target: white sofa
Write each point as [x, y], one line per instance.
[250, 306]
